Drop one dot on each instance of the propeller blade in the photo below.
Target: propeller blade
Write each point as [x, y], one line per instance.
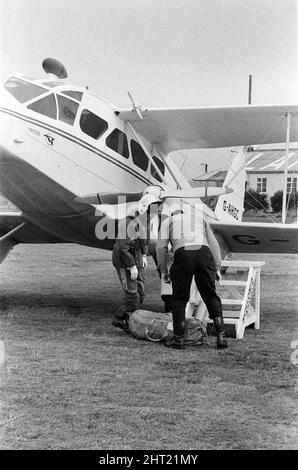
[194, 192]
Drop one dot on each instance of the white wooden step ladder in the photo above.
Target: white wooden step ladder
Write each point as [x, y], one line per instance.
[239, 290]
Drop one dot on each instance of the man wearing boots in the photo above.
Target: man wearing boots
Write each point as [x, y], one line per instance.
[130, 259]
[196, 254]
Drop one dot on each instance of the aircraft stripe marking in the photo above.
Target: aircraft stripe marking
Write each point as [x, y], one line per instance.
[79, 141]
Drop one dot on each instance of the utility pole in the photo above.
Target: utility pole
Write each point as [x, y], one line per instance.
[205, 165]
[249, 88]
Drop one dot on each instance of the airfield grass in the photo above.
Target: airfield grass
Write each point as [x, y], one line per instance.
[72, 381]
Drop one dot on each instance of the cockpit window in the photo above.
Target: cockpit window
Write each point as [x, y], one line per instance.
[138, 155]
[77, 95]
[92, 125]
[117, 141]
[22, 90]
[67, 110]
[160, 165]
[46, 106]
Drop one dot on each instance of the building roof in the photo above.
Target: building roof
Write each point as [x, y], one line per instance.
[271, 161]
[263, 161]
[216, 175]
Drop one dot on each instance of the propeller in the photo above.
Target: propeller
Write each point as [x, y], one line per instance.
[55, 67]
[149, 195]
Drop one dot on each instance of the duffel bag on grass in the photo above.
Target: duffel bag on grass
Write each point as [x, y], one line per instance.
[155, 326]
[144, 324]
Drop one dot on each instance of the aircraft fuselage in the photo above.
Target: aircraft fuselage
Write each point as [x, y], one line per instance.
[56, 146]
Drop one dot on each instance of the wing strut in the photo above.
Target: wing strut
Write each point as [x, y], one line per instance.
[7, 235]
[146, 152]
[163, 157]
[284, 196]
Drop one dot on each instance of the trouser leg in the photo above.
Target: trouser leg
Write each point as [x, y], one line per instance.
[166, 292]
[141, 286]
[130, 294]
[205, 274]
[167, 299]
[181, 276]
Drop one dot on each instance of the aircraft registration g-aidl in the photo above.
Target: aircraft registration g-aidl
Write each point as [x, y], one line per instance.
[59, 143]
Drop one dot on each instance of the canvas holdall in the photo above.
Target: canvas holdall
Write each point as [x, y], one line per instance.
[144, 324]
[155, 326]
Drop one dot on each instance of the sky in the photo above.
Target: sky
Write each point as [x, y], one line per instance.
[167, 53]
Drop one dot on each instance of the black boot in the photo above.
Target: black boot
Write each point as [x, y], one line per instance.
[220, 332]
[177, 342]
[120, 321]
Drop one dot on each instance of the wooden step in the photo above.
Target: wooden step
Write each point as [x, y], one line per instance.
[232, 283]
[237, 263]
[231, 313]
[228, 321]
[232, 301]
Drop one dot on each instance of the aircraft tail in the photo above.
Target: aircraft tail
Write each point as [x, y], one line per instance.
[230, 206]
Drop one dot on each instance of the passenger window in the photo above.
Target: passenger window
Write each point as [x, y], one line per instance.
[117, 141]
[160, 166]
[92, 125]
[138, 155]
[23, 91]
[46, 106]
[67, 110]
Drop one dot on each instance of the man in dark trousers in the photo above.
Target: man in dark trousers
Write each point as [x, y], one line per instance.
[196, 253]
[130, 259]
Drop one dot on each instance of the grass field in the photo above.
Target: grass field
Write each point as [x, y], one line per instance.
[72, 381]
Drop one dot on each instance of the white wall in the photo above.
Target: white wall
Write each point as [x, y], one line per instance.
[275, 181]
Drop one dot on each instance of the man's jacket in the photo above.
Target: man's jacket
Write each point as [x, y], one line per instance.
[131, 244]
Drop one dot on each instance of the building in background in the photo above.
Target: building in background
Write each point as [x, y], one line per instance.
[264, 172]
[213, 178]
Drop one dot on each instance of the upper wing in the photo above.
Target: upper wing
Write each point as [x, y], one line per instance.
[173, 129]
[248, 237]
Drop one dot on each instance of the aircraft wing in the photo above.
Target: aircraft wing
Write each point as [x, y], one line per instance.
[229, 126]
[29, 233]
[246, 237]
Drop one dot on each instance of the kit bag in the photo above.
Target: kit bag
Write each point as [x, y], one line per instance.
[154, 326]
[144, 324]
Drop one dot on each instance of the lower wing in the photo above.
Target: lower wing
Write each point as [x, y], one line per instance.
[249, 237]
[27, 233]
